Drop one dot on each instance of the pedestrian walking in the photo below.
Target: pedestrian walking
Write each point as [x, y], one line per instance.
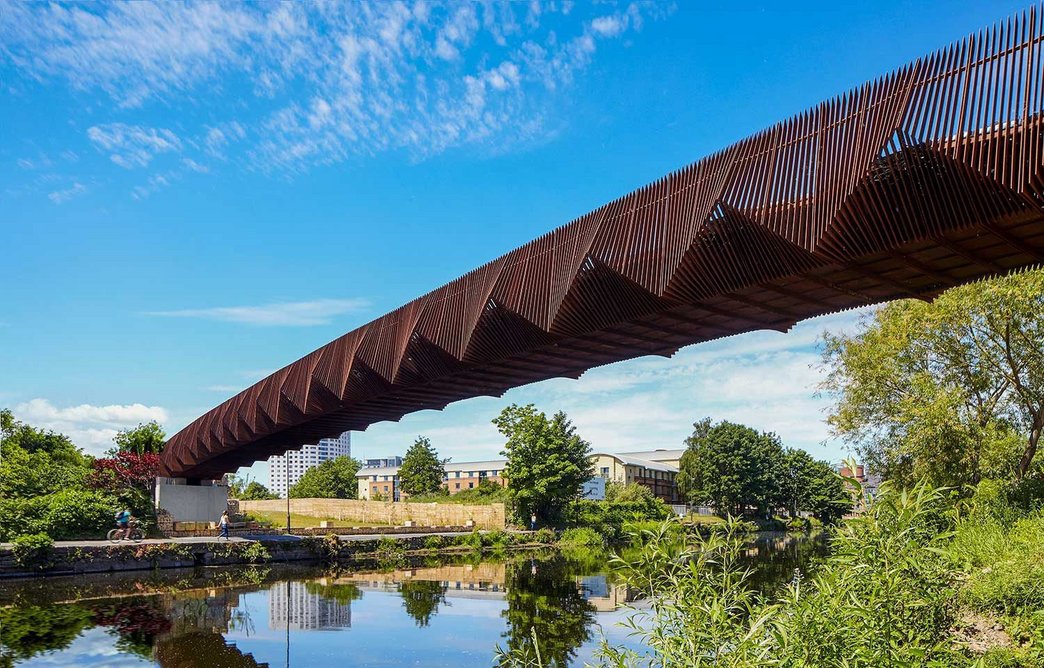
[223, 523]
[532, 522]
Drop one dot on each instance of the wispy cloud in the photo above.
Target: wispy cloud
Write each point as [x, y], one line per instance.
[131, 146]
[62, 196]
[90, 427]
[293, 314]
[420, 77]
[225, 389]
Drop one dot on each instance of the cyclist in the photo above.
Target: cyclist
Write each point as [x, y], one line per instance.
[123, 522]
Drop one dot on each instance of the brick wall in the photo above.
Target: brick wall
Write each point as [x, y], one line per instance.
[489, 516]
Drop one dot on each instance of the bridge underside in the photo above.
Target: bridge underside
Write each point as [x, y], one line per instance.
[925, 179]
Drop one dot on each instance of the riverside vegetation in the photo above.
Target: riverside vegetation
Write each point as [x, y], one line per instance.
[923, 578]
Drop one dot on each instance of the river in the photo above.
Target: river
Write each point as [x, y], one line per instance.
[431, 613]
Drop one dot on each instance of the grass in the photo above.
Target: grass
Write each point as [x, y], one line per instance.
[278, 519]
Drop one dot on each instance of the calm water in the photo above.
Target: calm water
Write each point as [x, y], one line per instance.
[433, 614]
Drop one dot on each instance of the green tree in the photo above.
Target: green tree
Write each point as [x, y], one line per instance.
[145, 439]
[547, 462]
[731, 467]
[333, 479]
[422, 470]
[945, 391]
[34, 462]
[809, 485]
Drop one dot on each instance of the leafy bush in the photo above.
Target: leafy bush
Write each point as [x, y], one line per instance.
[70, 513]
[885, 598]
[496, 539]
[433, 542]
[33, 551]
[485, 492]
[581, 537]
[256, 553]
[544, 536]
[608, 518]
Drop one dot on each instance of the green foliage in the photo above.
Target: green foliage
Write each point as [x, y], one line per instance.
[333, 479]
[608, 518]
[544, 536]
[731, 467]
[421, 471]
[35, 462]
[884, 598]
[809, 485]
[433, 543]
[33, 551]
[248, 490]
[256, 553]
[999, 546]
[145, 439]
[547, 462]
[485, 492]
[581, 537]
[70, 513]
[951, 391]
[629, 492]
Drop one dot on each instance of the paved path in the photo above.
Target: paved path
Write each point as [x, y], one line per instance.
[243, 538]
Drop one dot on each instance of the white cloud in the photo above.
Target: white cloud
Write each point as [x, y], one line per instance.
[133, 145]
[90, 427]
[62, 196]
[609, 26]
[379, 76]
[296, 314]
[195, 166]
[229, 389]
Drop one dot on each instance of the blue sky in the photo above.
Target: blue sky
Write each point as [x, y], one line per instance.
[193, 195]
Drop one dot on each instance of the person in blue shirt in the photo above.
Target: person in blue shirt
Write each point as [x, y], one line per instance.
[123, 519]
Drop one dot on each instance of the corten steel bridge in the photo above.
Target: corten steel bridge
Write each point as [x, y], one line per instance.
[924, 179]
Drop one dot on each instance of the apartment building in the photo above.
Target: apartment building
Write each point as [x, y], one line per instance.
[299, 461]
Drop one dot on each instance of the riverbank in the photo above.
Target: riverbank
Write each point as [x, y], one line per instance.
[82, 557]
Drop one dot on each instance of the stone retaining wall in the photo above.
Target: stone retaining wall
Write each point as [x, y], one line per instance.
[490, 516]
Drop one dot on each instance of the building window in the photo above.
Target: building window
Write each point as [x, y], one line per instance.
[457, 486]
[471, 485]
[605, 471]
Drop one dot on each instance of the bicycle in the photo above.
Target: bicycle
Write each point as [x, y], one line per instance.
[134, 533]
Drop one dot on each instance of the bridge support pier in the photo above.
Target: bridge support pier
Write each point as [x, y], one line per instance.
[191, 500]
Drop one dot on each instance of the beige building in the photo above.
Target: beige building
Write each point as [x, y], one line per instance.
[621, 468]
[655, 469]
[383, 483]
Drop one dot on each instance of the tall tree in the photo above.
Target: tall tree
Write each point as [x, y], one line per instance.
[34, 462]
[730, 466]
[945, 390]
[547, 462]
[145, 439]
[809, 485]
[422, 470]
[333, 479]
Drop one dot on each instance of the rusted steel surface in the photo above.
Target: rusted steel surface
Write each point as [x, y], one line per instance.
[923, 179]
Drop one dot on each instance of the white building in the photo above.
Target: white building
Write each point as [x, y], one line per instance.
[304, 459]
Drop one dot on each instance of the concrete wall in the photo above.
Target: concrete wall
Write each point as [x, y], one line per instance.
[192, 503]
[489, 516]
